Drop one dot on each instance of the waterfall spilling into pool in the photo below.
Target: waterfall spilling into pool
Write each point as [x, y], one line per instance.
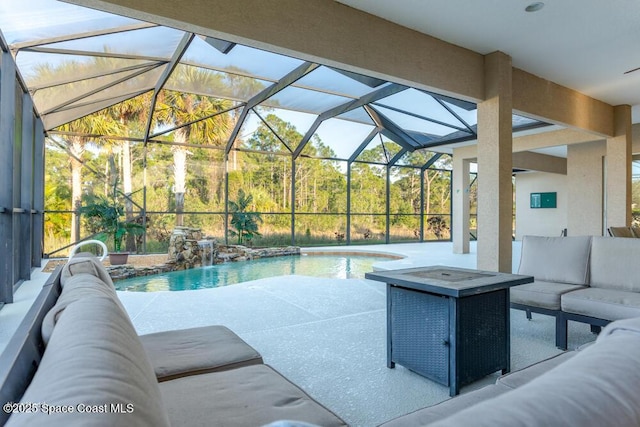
[206, 251]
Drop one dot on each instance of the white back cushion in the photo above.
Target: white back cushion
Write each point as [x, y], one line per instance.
[556, 259]
[94, 360]
[615, 263]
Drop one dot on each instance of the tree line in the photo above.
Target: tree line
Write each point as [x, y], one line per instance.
[189, 172]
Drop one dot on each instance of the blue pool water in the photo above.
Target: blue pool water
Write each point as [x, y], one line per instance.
[333, 266]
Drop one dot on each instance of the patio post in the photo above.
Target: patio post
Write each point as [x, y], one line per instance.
[618, 170]
[460, 200]
[495, 146]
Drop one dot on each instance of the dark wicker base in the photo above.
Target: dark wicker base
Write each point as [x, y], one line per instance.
[420, 333]
[483, 335]
[453, 341]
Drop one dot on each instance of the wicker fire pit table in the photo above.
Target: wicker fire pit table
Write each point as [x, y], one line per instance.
[448, 324]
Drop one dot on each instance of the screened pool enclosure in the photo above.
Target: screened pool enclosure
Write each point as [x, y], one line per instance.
[182, 129]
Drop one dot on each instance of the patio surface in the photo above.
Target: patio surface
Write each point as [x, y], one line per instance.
[325, 335]
[328, 335]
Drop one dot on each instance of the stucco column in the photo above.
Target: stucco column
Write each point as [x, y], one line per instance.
[495, 145]
[585, 179]
[618, 170]
[460, 219]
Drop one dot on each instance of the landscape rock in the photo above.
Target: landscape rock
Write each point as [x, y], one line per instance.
[187, 249]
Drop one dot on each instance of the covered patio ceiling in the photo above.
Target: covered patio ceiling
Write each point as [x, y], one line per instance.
[76, 61]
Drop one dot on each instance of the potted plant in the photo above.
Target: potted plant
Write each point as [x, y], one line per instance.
[106, 218]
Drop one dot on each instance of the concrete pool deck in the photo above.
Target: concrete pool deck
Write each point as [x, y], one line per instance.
[327, 335]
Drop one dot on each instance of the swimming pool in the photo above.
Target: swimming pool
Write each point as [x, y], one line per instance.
[345, 266]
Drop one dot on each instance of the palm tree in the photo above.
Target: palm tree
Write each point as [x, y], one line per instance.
[245, 224]
[129, 113]
[98, 123]
[177, 108]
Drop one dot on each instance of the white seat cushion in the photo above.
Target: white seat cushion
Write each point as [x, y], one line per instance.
[178, 353]
[249, 396]
[602, 303]
[541, 294]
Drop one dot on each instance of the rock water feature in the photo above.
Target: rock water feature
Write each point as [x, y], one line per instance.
[188, 248]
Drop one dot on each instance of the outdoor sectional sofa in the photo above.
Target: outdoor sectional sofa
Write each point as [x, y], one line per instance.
[593, 280]
[593, 387]
[77, 356]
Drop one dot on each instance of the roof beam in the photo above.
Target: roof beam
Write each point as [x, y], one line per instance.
[454, 114]
[397, 157]
[547, 101]
[292, 76]
[92, 92]
[465, 105]
[421, 117]
[393, 131]
[432, 160]
[92, 53]
[175, 58]
[222, 46]
[171, 65]
[364, 100]
[115, 99]
[400, 140]
[345, 108]
[287, 80]
[78, 36]
[189, 123]
[528, 160]
[273, 131]
[98, 105]
[365, 80]
[364, 144]
[60, 82]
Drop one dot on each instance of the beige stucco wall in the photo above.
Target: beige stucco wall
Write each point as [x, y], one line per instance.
[585, 172]
[549, 101]
[583, 209]
[495, 203]
[635, 138]
[540, 222]
[460, 200]
[539, 162]
[618, 171]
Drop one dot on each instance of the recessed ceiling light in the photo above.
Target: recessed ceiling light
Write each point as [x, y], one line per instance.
[534, 7]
